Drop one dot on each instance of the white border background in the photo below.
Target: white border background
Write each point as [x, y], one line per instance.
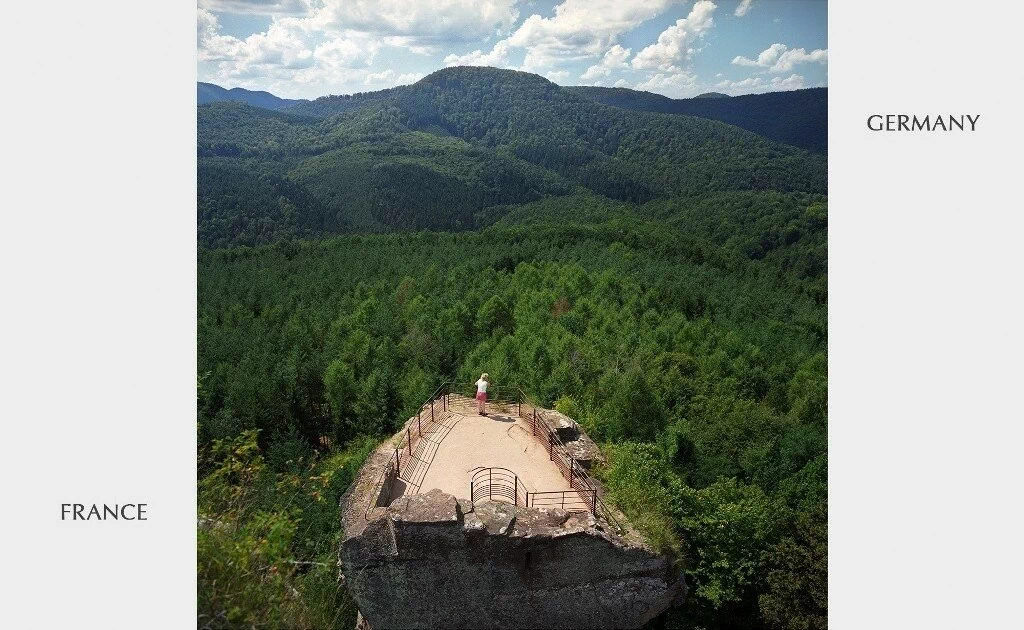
[924, 318]
[98, 324]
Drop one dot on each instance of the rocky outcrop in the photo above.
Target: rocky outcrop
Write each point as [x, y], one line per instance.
[578, 444]
[434, 561]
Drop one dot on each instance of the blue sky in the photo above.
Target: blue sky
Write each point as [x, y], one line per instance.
[309, 48]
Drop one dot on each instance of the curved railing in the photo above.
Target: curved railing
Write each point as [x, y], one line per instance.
[497, 484]
[583, 493]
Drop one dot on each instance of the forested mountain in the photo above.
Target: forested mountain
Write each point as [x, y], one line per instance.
[797, 117]
[210, 93]
[451, 150]
[660, 278]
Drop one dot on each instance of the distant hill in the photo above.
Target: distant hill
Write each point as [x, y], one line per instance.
[210, 93]
[797, 117]
[455, 151]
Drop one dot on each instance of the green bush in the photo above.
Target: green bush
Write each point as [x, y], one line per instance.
[267, 540]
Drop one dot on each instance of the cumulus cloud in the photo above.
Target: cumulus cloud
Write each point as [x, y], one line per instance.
[557, 76]
[284, 58]
[498, 56]
[779, 58]
[390, 78]
[743, 8]
[423, 21]
[614, 59]
[579, 29]
[258, 7]
[677, 84]
[676, 43]
[278, 46]
[759, 84]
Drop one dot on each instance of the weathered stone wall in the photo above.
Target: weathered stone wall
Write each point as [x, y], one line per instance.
[434, 561]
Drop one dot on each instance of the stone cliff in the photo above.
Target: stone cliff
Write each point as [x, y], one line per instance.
[433, 560]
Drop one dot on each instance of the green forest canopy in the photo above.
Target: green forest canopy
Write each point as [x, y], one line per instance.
[661, 279]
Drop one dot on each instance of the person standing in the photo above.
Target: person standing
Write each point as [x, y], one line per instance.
[481, 394]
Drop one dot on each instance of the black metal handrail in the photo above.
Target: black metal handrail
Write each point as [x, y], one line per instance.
[425, 425]
[569, 500]
[497, 484]
[576, 474]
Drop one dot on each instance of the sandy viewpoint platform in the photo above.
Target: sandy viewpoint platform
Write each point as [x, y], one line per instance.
[469, 441]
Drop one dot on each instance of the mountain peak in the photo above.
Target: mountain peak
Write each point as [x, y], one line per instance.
[506, 75]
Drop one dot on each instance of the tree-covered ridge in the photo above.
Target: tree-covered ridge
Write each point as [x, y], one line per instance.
[695, 355]
[452, 151]
[660, 278]
[621, 154]
[798, 117]
[210, 93]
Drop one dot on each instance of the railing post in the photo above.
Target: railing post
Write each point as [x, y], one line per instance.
[471, 491]
[490, 484]
[515, 491]
[398, 464]
[408, 438]
[594, 509]
[571, 460]
[419, 427]
[431, 409]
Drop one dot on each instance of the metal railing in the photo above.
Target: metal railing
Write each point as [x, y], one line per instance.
[430, 425]
[576, 474]
[568, 500]
[497, 484]
[415, 449]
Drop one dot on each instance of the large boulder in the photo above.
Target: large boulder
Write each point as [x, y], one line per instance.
[433, 561]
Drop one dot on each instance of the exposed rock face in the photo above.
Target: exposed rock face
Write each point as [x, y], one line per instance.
[577, 443]
[435, 561]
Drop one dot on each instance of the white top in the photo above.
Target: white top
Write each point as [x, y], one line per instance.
[481, 386]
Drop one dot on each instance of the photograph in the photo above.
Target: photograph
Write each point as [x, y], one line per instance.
[512, 314]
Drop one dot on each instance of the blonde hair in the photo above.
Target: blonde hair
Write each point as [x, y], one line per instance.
[484, 376]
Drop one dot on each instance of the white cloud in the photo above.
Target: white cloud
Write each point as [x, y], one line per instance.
[425, 21]
[286, 58]
[614, 59]
[673, 84]
[779, 58]
[743, 8]
[390, 78]
[411, 44]
[557, 76]
[676, 43]
[759, 84]
[258, 7]
[341, 52]
[579, 29]
[498, 56]
[279, 46]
